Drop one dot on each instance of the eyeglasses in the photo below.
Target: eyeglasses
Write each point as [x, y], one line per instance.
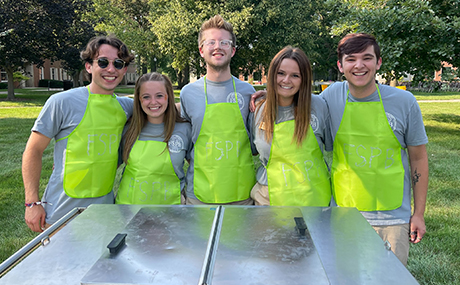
[104, 62]
[224, 44]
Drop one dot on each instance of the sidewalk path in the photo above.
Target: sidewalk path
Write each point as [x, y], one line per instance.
[440, 101]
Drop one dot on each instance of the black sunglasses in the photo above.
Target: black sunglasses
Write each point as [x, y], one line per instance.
[104, 62]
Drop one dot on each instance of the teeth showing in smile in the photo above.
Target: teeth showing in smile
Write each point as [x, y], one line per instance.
[286, 87]
[360, 73]
[154, 108]
[109, 77]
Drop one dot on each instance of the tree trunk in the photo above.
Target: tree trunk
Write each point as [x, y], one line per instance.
[9, 73]
[183, 77]
[75, 78]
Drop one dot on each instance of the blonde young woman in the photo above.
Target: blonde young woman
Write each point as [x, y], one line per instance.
[289, 130]
[156, 142]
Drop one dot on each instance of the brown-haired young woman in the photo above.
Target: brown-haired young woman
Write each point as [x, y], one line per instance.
[155, 144]
[289, 130]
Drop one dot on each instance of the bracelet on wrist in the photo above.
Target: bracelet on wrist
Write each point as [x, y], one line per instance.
[30, 205]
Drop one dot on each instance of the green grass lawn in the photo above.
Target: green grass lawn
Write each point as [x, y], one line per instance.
[434, 261]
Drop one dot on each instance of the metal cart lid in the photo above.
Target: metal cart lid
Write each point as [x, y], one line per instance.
[348, 249]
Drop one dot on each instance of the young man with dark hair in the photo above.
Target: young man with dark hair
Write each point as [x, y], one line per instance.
[86, 124]
[379, 146]
[221, 167]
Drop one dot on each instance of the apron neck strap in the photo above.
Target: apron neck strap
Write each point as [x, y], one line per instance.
[206, 92]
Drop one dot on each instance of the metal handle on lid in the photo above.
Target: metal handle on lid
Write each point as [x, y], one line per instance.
[301, 227]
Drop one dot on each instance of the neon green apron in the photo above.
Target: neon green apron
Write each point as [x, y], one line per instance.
[367, 170]
[149, 176]
[297, 176]
[91, 156]
[224, 169]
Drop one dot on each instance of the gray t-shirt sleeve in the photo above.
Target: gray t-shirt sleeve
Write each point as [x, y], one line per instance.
[183, 106]
[61, 113]
[50, 118]
[127, 105]
[319, 122]
[416, 133]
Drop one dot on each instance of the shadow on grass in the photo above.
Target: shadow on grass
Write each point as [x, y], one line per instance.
[25, 100]
[443, 118]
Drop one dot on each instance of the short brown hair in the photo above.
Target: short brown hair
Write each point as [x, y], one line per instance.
[216, 22]
[92, 49]
[355, 43]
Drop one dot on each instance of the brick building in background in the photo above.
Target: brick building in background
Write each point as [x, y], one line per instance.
[54, 71]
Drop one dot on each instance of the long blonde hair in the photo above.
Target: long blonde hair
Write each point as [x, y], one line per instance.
[139, 118]
[302, 100]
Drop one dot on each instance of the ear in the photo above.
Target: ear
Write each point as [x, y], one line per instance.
[201, 51]
[88, 67]
[233, 51]
[339, 65]
[379, 63]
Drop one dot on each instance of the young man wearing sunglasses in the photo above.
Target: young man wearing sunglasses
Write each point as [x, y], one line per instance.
[86, 124]
[221, 167]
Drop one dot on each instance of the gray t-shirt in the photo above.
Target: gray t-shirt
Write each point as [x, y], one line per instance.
[180, 144]
[405, 118]
[60, 115]
[193, 105]
[319, 122]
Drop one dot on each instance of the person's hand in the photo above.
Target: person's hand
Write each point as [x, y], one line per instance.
[254, 97]
[35, 218]
[417, 228]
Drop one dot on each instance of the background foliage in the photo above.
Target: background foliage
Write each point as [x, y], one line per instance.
[415, 35]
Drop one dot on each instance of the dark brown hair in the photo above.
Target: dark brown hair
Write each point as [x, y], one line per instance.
[356, 43]
[92, 49]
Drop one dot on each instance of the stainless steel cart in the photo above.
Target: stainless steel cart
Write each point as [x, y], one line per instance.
[212, 245]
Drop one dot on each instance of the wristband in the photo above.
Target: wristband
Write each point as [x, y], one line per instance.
[30, 205]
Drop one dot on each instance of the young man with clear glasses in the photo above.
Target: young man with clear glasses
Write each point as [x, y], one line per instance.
[86, 124]
[221, 168]
[379, 147]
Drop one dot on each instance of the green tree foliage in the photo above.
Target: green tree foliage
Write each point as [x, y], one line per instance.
[263, 27]
[79, 34]
[38, 29]
[169, 29]
[129, 21]
[415, 35]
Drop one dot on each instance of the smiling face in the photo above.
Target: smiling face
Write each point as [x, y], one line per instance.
[360, 69]
[104, 80]
[288, 81]
[154, 101]
[216, 57]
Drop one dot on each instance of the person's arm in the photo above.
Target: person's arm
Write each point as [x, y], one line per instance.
[178, 107]
[31, 170]
[254, 97]
[419, 175]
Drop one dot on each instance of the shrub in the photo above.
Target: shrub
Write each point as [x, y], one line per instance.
[50, 83]
[18, 76]
[3, 85]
